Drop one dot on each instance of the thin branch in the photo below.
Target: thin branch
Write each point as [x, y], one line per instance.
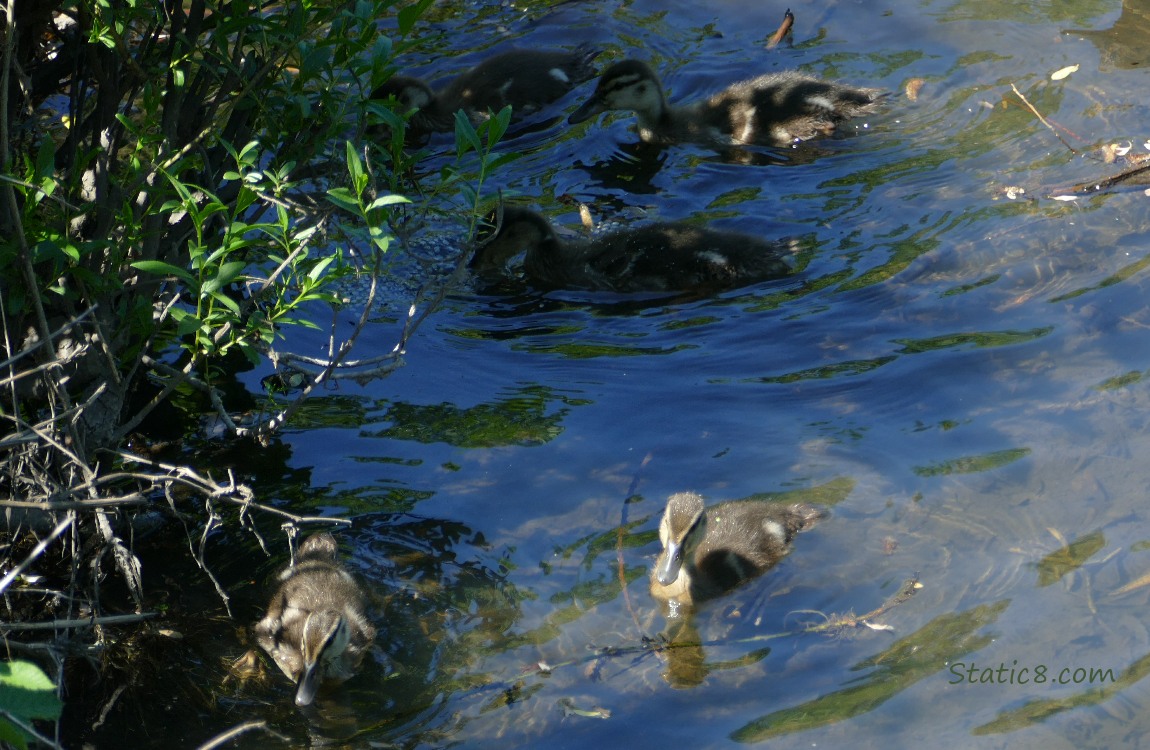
[1043, 120]
[81, 622]
[43, 192]
[28, 728]
[185, 476]
[34, 347]
[239, 729]
[6, 581]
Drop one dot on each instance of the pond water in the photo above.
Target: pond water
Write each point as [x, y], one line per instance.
[958, 376]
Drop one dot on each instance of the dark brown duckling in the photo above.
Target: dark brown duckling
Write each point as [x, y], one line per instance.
[709, 551]
[526, 80]
[670, 256]
[776, 109]
[315, 629]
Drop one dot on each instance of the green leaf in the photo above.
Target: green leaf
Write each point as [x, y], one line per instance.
[495, 161]
[160, 268]
[497, 126]
[387, 200]
[228, 273]
[226, 301]
[319, 267]
[186, 322]
[379, 237]
[344, 198]
[355, 168]
[465, 135]
[13, 736]
[26, 692]
[408, 15]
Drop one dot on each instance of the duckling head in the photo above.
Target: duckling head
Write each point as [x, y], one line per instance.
[411, 93]
[629, 85]
[325, 638]
[321, 546]
[683, 525]
[508, 232]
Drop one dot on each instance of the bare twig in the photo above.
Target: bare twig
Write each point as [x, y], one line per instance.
[29, 729]
[79, 622]
[6, 581]
[239, 729]
[1043, 120]
[34, 347]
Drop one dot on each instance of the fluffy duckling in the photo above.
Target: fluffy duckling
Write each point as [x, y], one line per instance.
[776, 109]
[671, 256]
[524, 79]
[708, 551]
[315, 629]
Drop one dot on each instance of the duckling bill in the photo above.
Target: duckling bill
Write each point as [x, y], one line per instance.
[670, 256]
[708, 551]
[525, 80]
[315, 628]
[776, 109]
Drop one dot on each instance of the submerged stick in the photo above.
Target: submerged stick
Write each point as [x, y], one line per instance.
[1095, 186]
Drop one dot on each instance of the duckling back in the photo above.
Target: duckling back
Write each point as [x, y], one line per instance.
[663, 257]
[523, 79]
[780, 109]
[708, 551]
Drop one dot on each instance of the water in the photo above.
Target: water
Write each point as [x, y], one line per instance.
[960, 377]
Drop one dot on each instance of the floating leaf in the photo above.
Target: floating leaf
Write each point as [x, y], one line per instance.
[1061, 73]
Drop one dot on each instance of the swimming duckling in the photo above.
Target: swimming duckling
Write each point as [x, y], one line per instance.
[671, 256]
[708, 551]
[315, 629]
[776, 109]
[524, 79]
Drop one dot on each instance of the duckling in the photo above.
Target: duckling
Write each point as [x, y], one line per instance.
[525, 80]
[776, 109]
[315, 629]
[670, 256]
[708, 551]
